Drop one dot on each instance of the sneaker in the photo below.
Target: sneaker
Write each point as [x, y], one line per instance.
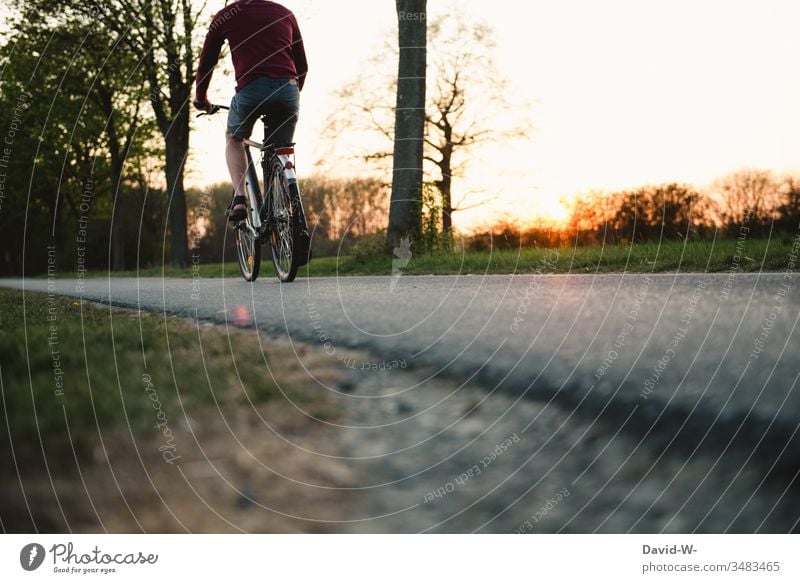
[237, 210]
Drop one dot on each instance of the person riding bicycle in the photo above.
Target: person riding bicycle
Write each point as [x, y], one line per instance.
[269, 61]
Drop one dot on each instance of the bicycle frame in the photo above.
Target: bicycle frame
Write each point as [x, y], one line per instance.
[254, 185]
[284, 228]
[253, 189]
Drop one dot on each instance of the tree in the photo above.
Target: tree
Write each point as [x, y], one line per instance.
[407, 175]
[648, 213]
[666, 211]
[160, 33]
[468, 105]
[748, 196]
[118, 94]
[339, 208]
[79, 130]
[789, 210]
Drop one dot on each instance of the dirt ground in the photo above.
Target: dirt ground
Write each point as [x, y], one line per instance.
[242, 467]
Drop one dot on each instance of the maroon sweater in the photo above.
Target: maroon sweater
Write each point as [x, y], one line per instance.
[265, 41]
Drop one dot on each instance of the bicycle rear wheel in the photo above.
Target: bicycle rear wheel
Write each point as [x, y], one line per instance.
[248, 251]
[285, 226]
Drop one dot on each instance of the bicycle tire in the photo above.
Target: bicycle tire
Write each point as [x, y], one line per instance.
[248, 251]
[286, 224]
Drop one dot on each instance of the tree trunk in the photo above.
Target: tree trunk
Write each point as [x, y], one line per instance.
[405, 214]
[177, 148]
[118, 235]
[117, 246]
[447, 203]
[445, 185]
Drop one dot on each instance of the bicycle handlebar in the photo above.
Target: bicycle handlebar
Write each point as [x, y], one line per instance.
[214, 109]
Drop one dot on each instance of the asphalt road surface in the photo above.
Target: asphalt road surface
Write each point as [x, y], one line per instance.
[573, 403]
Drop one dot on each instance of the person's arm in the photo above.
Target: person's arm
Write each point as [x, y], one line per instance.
[209, 57]
[299, 54]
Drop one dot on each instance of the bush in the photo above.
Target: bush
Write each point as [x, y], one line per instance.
[370, 247]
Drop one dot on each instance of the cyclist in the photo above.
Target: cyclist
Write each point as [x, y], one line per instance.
[270, 65]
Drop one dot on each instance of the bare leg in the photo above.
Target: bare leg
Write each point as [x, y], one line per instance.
[237, 164]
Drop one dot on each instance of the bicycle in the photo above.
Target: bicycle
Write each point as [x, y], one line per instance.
[278, 218]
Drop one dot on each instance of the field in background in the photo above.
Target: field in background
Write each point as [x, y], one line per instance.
[694, 256]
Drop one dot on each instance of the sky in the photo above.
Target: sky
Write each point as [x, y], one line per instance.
[622, 93]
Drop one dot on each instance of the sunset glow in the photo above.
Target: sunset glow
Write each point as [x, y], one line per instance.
[622, 93]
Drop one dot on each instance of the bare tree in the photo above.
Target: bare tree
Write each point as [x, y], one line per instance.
[470, 97]
[338, 207]
[468, 106]
[748, 196]
[406, 203]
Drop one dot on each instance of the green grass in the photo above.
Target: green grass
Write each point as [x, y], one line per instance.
[695, 256]
[70, 370]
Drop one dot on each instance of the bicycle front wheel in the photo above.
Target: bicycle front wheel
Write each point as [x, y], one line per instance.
[248, 251]
[285, 225]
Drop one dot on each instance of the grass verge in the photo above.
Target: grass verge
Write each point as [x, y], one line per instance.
[71, 371]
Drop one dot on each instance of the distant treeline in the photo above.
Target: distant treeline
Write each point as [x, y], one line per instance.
[345, 213]
[754, 200]
[340, 212]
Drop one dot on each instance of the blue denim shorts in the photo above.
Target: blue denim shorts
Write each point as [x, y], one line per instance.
[278, 99]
